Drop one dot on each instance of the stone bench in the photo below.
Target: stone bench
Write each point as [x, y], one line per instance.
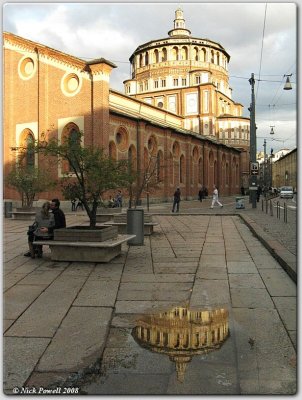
[23, 215]
[85, 251]
[121, 222]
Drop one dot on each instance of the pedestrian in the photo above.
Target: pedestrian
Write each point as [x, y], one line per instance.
[111, 202]
[79, 205]
[73, 204]
[242, 191]
[259, 191]
[42, 230]
[176, 200]
[119, 199]
[200, 194]
[215, 197]
[60, 220]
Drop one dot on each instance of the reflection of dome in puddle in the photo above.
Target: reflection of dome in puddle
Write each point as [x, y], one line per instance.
[182, 333]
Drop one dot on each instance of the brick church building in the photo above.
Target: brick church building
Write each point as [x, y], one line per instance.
[177, 107]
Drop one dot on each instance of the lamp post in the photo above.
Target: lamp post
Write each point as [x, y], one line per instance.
[264, 163]
[253, 177]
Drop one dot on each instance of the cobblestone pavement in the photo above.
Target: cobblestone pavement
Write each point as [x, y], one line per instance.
[207, 281]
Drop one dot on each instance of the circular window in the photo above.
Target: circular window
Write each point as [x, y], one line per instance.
[121, 139]
[160, 104]
[26, 68]
[70, 84]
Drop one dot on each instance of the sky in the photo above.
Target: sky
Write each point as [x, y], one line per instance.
[261, 38]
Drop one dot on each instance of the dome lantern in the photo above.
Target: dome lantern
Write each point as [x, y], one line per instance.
[179, 25]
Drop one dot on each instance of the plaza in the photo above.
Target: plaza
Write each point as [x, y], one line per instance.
[70, 325]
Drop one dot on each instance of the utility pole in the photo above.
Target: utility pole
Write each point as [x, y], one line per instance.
[264, 163]
[253, 178]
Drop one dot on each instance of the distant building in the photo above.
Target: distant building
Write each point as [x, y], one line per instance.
[284, 170]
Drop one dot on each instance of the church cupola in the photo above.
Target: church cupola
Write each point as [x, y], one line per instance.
[179, 25]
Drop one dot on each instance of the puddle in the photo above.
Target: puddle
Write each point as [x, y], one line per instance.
[181, 333]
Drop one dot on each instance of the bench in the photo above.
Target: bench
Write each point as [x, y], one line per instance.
[121, 222]
[85, 251]
[23, 215]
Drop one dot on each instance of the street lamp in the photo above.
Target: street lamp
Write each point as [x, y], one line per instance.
[253, 177]
[287, 85]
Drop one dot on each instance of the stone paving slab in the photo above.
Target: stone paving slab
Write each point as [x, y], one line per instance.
[251, 298]
[44, 316]
[97, 293]
[86, 330]
[18, 298]
[246, 281]
[20, 357]
[210, 293]
[277, 284]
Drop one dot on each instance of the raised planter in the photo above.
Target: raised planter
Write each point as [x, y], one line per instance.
[80, 243]
[23, 214]
[105, 210]
[85, 234]
[107, 214]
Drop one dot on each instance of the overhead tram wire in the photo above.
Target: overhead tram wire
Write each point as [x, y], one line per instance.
[261, 54]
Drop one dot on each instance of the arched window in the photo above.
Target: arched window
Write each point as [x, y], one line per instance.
[184, 53]
[204, 54]
[171, 169]
[156, 56]
[195, 53]
[71, 136]
[30, 153]
[146, 58]
[164, 54]
[218, 58]
[159, 166]
[175, 53]
[112, 150]
[212, 56]
[132, 158]
[200, 170]
[141, 60]
[182, 169]
[227, 172]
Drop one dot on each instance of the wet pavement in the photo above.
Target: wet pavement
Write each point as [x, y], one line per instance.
[202, 308]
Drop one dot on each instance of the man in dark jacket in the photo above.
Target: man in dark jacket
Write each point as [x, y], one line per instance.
[60, 221]
[176, 200]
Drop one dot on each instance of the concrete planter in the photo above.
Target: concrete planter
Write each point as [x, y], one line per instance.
[115, 210]
[85, 234]
[80, 243]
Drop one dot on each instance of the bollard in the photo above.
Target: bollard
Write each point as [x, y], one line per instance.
[271, 207]
[262, 205]
[278, 209]
[266, 206]
[285, 213]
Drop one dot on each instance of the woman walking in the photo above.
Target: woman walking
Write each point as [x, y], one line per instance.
[215, 197]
